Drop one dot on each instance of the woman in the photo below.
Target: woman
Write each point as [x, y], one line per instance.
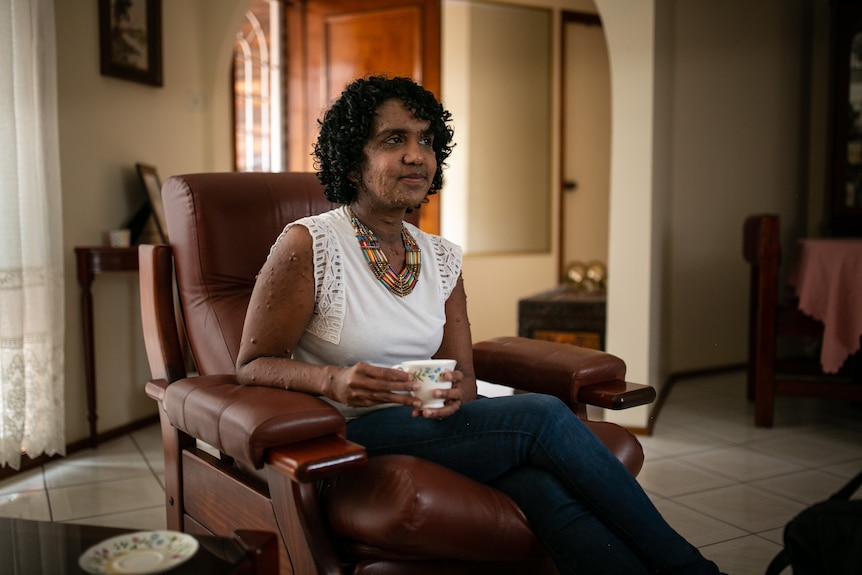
[331, 312]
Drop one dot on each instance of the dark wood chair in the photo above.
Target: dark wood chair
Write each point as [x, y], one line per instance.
[285, 465]
[775, 317]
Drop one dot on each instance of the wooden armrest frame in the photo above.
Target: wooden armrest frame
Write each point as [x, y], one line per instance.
[316, 459]
[616, 395]
[158, 313]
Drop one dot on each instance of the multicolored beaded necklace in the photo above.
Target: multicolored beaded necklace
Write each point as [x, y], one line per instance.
[399, 284]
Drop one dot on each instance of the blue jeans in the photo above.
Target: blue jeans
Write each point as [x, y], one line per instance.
[583, 504]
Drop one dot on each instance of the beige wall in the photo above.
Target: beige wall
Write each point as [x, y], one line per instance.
[636, 204]
[737, 140]
[106, 125]
[706, 128]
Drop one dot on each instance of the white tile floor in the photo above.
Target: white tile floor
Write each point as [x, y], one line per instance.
[725, 485]
[730, 487]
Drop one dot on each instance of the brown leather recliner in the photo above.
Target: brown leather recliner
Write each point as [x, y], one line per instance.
[285, 465]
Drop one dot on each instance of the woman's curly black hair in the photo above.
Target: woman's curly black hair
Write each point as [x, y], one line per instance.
[346, 127]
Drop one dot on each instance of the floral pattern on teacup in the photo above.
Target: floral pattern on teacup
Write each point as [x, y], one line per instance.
[427, 373]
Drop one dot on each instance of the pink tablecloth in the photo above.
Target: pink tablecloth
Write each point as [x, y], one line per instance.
[828, 282]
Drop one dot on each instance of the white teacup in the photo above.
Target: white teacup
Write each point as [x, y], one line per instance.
[428, 373]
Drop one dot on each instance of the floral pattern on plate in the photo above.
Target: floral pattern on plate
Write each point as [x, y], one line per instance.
[139, 553]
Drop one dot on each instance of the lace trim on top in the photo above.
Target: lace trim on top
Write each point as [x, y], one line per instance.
[328, 317]
[329, 308]
[448, 258]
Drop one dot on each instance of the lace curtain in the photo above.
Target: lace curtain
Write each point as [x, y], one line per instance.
[32, 415]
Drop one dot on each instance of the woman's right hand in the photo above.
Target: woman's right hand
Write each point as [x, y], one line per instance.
[365, 385]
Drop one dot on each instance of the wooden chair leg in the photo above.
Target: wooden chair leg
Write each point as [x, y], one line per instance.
[173, 442]
[764, 404]
[751, 378]
[764, 382]
[764, 393]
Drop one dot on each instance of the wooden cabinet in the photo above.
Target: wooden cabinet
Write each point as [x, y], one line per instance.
[566, 315]
[845, 194]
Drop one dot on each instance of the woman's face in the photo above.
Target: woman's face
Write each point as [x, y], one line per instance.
[399, 159]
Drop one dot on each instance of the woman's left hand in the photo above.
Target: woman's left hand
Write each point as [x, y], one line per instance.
[452, 399]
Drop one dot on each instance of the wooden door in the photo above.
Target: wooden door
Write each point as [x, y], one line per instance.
[332, 42]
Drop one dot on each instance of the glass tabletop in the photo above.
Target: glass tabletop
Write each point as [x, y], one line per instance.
[30, 547]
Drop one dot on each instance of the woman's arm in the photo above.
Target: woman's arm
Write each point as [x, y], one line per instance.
[280, 308]
[457, 344]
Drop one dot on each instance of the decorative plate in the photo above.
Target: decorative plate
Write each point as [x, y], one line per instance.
[139, 553]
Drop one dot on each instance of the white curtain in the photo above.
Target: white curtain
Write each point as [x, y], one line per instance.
[31, 236]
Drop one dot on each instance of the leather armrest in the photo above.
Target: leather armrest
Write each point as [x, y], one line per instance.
[246, 421]
[574, 374]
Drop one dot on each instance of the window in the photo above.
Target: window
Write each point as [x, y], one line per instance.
[257, 87]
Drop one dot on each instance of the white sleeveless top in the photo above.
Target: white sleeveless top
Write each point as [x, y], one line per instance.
[356, 318]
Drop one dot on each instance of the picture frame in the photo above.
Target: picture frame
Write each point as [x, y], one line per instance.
[149, 177]
[130, 40]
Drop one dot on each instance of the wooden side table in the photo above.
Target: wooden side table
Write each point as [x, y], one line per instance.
[92, 261]
[566, 315]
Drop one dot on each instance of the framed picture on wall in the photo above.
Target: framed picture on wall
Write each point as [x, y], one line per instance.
[153, 184]
[130, 40]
